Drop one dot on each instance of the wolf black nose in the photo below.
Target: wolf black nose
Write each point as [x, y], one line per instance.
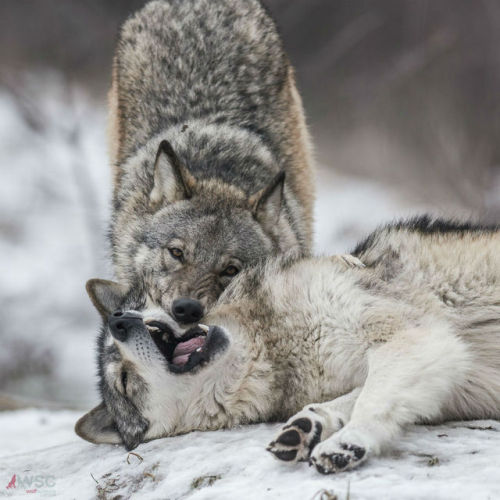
[187, 310]
[120, 325]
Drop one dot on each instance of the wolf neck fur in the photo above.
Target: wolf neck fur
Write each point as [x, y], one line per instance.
[336, 343]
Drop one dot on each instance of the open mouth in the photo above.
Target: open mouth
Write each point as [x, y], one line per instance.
[195, 348]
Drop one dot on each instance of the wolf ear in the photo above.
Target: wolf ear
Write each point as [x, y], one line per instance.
[106, 296]
[171, 181]
[266, 204]
[97, 426]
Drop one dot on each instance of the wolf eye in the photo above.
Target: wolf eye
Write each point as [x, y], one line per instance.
[176, 253]
[124, 378]
[230, 271]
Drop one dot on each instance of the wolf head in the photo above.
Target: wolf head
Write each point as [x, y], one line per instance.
[157, 380]
[193, 235]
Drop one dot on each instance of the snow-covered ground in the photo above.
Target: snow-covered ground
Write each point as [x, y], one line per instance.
[453, 461]
[53, 211]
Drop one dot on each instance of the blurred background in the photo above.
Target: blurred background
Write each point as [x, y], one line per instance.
[402, 98]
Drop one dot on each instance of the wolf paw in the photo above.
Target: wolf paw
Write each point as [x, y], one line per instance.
[297, 438]
[337, 455]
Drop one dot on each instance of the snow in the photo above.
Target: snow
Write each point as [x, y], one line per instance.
[54, 196]
[456, 460]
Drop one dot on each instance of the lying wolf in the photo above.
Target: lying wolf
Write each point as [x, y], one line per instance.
[211, 156]
[412, 337]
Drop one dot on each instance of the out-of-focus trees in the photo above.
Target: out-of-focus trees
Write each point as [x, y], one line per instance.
[403, 91]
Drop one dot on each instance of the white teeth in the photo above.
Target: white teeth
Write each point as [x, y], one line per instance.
[199, 349]
[205, 328]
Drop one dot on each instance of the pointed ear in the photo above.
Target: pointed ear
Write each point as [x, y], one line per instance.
[171, 181]
[97, 426]
[105, 295]
[266, 204]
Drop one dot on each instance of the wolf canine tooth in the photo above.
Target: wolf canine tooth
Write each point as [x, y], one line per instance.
[205, 328]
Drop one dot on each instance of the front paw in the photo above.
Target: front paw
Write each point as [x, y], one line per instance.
[337, 454]
[298, 437]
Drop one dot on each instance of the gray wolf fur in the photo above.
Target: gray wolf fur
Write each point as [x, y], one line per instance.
[350, 355]
[211, 156]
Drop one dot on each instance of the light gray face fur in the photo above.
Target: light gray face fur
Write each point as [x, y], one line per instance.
[197, 235]
[215, 243]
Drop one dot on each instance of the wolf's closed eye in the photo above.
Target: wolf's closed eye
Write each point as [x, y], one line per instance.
[124, 378]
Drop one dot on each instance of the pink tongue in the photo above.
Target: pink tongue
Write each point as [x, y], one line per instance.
[183, 350]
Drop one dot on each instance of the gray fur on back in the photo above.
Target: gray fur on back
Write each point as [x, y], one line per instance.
[189, 59]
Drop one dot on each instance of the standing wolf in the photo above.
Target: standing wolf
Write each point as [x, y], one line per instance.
[212, 163]
[412, 337]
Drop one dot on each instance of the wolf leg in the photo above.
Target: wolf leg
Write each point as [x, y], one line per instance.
[410, 378]
[306, 429]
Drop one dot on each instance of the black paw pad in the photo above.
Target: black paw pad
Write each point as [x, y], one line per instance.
[357, 451]
[304, 424]
[321, 469]
[290, 438]
[286, 456]
[340, 461]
